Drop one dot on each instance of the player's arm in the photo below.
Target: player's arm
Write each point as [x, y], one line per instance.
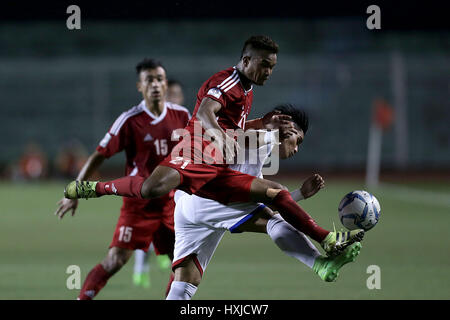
[206, 113]
[310, 187]
[92, 164]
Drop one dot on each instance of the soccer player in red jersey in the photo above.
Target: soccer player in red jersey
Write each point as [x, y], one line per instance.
[144, 132]
[223, 102]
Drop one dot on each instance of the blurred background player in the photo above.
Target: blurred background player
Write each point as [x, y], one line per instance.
[201, 223]
[32, 165]
[141, 270]
[70, 159]
[175, 92]
[144, 132]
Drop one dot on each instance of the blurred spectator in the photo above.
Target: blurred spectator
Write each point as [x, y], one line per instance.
[70, 159]
[33, 163]
[175, 92]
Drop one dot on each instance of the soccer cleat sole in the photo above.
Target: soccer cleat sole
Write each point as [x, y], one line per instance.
[357, 238]
[350, 256]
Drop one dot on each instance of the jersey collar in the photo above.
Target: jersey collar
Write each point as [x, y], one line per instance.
[156, 119]
[239, 76]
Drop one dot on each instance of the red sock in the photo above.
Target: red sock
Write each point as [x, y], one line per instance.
[297, 217]
[169, 284]
[129, 186]
[95, 281]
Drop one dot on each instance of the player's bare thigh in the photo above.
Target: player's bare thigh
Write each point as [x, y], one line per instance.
[263, 190]
[162, 180]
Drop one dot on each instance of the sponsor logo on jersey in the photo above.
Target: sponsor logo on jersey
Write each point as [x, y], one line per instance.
[148, 137]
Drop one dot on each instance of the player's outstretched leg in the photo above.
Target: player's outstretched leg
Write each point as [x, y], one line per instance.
[161, 181]
[273, 194]
[328, 267]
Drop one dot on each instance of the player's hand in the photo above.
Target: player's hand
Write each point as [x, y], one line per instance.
[64, 205]
[286, 132]
[276, 120]
[312, 185]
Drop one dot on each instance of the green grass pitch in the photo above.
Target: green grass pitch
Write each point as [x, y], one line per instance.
[411, 245]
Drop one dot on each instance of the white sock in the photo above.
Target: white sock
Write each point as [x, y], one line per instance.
[141, 261]
[180, 290]
[291, 241]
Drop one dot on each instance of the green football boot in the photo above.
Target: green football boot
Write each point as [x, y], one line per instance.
[328, 267]
[336, 241]
[80, 189]
[163, 261]
[141, 279]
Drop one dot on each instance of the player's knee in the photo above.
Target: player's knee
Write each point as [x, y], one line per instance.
[273, 191]
[187, 273]
[152, 189]
[194, 279]
[115, 261]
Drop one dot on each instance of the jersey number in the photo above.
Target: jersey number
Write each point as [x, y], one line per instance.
[179, 160]
[161, 147]
[125, 233]
[241, 123]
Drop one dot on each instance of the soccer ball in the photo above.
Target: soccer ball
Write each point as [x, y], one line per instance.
[359, 210]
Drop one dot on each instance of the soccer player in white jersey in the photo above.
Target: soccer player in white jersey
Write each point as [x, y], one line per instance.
[200, 223]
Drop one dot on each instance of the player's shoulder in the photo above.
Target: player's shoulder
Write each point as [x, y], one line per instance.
[224, 77]
[177, 108]
[126, 116]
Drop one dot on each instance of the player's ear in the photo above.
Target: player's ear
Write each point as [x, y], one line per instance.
[245, 61]
[138, 86]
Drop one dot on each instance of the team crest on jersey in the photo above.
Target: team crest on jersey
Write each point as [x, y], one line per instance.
[215, 92]
[148, 137]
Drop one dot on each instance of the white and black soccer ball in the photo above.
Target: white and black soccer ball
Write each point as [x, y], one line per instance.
[359, 210]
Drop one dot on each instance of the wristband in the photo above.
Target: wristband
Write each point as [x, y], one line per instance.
[297, 195]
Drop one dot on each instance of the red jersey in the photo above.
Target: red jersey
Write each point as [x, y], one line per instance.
[226, 88]
[146, 139]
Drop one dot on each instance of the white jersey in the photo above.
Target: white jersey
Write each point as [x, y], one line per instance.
[200, 223]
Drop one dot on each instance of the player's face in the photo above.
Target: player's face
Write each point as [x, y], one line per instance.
[153, 84]
[259, 66]
[290, 145]
[175, 94]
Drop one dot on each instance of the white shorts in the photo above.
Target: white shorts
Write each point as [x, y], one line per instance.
[201, 223]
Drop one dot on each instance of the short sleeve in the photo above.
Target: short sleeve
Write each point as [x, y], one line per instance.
[216, 94]
[115, 139]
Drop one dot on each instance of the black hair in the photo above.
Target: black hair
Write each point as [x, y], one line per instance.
[172, 82]
[260, 42]
[148, 64]
[299, 116]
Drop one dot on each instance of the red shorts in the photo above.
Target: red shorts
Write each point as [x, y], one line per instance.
[216, 182]
[136, 229]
